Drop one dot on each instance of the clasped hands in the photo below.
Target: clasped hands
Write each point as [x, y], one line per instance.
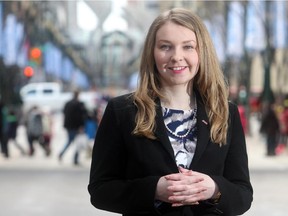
[185, 188]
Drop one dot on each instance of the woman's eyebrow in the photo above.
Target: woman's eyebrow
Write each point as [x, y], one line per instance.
[188, 41]
[167, 41]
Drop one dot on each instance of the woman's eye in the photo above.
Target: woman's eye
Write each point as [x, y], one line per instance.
[164, 47]
[188, 47]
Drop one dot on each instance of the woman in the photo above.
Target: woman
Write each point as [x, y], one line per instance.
[175, 146]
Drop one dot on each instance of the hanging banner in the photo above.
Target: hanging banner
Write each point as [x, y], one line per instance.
[80, 79]
[214, 28]
[10, 38]
[67, 68]
[255, 38]
[1, 29]
[235, 33]
[279, 24]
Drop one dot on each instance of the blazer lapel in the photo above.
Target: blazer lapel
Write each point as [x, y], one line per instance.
[203, 130]
[161, 132]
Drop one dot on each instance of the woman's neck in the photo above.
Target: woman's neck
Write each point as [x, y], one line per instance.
[177, 99]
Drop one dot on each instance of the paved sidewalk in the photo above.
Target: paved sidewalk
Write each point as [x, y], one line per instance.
[258, 159]
[255, 148]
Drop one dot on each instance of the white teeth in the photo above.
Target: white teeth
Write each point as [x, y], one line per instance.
[178, 68]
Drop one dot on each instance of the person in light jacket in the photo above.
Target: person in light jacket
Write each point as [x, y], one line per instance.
[175, 146]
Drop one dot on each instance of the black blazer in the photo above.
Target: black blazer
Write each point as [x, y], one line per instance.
[125, 168]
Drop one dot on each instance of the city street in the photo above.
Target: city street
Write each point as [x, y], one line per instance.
[102, 48]
[43, 186]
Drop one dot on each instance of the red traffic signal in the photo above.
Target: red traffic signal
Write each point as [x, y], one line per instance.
[35, 56]
[28, 71]
[35, 53]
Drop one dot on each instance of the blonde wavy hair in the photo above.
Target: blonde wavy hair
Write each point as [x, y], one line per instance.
[209, 81]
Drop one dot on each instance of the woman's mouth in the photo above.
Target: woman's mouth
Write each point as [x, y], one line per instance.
[177, 69]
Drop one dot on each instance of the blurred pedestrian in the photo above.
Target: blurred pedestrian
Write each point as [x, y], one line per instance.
[34, 130]
[11, 130]
[270, 128]
[3, 126]
[75, 115]
[175, 146]
[243, 117]
[91, 125]
[283, 119]
[47, 127]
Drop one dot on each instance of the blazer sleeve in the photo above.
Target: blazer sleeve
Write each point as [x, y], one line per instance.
[235, 186]
[109, 187]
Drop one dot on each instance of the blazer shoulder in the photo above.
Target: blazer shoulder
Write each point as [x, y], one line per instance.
[121, 102]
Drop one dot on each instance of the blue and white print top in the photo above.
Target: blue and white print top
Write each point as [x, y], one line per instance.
[182, 133]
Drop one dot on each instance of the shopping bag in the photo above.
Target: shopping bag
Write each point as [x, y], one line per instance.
[81, 141]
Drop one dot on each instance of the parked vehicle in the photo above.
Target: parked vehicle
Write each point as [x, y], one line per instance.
[50, 94]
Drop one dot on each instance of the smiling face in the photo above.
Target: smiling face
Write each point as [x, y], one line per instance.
[175, 54]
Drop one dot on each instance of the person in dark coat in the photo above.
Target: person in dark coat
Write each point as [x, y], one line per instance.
[175, 146]
[11, 130]
[270, 127]
[3, 127]
[75, 115]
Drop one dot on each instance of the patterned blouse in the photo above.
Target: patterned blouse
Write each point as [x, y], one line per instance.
[182, 133]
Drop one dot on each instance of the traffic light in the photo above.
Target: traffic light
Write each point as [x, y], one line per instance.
[28, 71]
[35, 56]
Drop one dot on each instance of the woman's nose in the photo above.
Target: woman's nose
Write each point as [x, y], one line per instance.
[177, 55]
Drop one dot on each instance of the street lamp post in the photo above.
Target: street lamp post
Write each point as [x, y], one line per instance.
[268, 56]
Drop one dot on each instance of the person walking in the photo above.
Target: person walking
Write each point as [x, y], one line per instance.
[11, 130]
[284, 125]
[3, 128]
[47, 127]
[75, 115]
[175, 146]
[34, 130]
[270, 127]
[91, 125]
